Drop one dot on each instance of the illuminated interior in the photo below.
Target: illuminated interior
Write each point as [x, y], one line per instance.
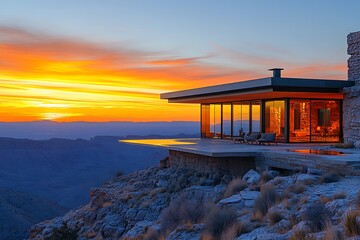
[293, 120]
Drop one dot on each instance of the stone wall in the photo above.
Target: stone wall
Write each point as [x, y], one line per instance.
[237, 166]
[352, 95]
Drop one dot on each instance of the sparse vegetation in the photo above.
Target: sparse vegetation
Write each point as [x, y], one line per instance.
[316, 215]
[218, 221]
[235, 186]
[268, 197]
[330, 233]
[186, 208]
[302, 235]
[352, 223]
[64, 232]
[274, 217]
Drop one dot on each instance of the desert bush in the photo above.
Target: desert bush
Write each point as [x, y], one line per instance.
[295, 188]
[302, 235]
[235, 186]
[317, 215]
[357, 199]
[352, 223]
[64, 232]
[274, 217]
[268, 197]
[329, 177]
[218, 221]
[339, 195]
[330, 233]
[188, 207]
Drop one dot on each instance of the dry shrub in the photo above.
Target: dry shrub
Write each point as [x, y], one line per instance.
[352, 223]
[339, 195]
[268, 197]
[329, 177]
[357, 199]
[316, 215]
[234, 230]
[295, 188]
[150, 234]
[218, 221]
[302, 235]
[274, 217]
[330, 233]
[235, 186]
[188, 207]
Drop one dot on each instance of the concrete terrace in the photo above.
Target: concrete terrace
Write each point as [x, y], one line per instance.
[283, 156]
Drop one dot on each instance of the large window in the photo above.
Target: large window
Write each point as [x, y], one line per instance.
[325, 121]
[255, 116]
[215, 120]
[241, 115]
[299, 121]
[226, 110]
[274, 118]
[309, 120]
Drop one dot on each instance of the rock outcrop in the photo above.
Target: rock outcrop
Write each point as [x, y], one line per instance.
[185, 204]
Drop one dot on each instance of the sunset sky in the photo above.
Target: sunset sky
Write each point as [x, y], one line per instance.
[108, 60]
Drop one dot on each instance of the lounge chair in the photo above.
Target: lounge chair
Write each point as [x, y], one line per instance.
[241, 138]
[267, 138]
[251, 137]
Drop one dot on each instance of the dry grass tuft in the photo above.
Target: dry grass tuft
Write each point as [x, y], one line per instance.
[268, 197]
[330, 233]
[186, 208]
[235, 186]
[302, 235]
[339, 195]
[352, 223]
[274, 217]
[219, 221]
[317, 215]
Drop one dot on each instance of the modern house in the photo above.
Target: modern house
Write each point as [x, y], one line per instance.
[296, 109]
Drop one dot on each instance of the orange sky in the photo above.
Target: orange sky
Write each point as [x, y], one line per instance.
[44, 77]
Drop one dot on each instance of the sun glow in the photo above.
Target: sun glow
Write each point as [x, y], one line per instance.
[43, 77]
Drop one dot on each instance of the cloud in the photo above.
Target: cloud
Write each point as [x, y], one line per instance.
[92, 81]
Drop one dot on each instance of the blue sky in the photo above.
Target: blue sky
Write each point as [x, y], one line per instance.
[298, 31]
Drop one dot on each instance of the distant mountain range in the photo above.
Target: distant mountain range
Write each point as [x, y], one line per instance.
[42, 130]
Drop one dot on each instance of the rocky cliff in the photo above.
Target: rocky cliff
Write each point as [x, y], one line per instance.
[169, 203]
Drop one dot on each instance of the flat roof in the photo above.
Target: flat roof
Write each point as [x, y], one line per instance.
[255, 89]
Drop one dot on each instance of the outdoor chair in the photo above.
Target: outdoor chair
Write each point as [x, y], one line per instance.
[241, 138]
[267, 138]
[251, 137]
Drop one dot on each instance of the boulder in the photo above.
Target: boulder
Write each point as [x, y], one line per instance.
[232, 199]
[251, 177]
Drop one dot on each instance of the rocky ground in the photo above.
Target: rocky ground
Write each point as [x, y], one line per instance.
[168, 203]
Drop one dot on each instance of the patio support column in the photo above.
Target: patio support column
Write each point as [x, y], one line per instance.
[250, 117]
[262, 116]
[287, 120]
[221, 120]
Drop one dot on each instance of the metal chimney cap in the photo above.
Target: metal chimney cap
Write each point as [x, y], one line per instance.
[276, 72]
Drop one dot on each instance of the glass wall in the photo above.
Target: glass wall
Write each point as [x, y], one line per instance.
[226, 107]
[309, 120]
[325, 121]
[255, 116]
[299, 128]
[215, 120]
[205, 121]
[241, 120]
[274, 118]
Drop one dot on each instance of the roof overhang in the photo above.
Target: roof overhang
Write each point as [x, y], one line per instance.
[265, 88]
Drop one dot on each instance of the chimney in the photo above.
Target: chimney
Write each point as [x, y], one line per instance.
[276, 72]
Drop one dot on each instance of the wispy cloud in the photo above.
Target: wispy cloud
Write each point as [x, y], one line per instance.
[44, 77]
